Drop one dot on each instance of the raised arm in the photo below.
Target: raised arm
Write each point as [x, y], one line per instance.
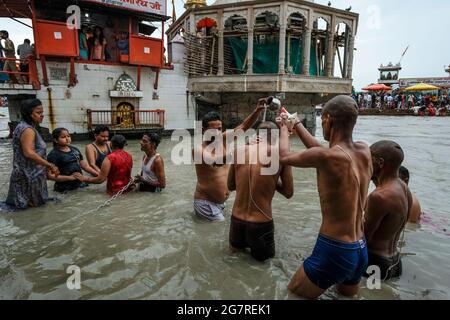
[311, 158]
[249, 121]
[285, 184]
[374, 214]
[308, 139]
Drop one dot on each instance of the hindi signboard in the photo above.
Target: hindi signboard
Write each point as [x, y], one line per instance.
[148, 6]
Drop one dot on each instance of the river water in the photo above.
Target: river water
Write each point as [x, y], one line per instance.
[151, 246]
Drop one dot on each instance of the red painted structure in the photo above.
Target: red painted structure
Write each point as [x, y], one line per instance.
[54, 40]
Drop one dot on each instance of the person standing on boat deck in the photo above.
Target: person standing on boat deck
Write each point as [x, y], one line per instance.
[211, 190]
[69, 160]
[252, 222]
[28, 182]
[3, 76]
[416, 211]
[116, 168]
[97, 151]
[10, 52]
[98, 45]
[387, 210]
[24, 51]
[343, 176]
[152, 177]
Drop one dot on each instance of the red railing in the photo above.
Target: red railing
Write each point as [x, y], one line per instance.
[18, 77]
[126, 120]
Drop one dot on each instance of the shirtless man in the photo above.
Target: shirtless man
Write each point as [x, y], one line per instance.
[97, 151]
[416, 211]
[343, 176]
[251, 222]
[387, 210]
[211, 191]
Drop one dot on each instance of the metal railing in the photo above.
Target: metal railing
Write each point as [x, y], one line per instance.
[126, 120]
[16, 76]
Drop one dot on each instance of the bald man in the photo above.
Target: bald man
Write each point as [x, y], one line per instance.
[388, 209]
[343, 170]
[252, 224]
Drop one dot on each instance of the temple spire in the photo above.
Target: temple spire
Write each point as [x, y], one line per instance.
[194, 4]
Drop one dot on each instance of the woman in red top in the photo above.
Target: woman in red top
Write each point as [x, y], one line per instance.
[116, 168]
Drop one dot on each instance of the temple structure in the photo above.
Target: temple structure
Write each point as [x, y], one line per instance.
[238, 51]
[222, 57]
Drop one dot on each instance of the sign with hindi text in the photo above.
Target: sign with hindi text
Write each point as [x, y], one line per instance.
[148, 6]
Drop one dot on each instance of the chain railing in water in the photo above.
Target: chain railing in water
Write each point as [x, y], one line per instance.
[114, 197]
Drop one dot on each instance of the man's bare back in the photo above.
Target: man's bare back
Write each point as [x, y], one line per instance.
[255, 183]
[254, 191]
[343, 176]
[387, 214]
[343, 184]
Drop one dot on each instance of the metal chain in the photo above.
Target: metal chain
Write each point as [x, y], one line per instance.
[114, 197]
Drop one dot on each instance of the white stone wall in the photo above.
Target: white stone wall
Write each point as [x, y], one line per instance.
[92, 92]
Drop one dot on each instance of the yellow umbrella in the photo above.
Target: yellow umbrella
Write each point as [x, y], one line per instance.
[422, 87]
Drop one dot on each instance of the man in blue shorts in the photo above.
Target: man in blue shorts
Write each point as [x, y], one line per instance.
[343, 176]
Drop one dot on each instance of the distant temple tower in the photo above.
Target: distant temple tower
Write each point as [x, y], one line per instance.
[194, 4]
[389, 74]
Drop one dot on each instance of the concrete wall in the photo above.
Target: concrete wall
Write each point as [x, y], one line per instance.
[235, 107]
[92, 92]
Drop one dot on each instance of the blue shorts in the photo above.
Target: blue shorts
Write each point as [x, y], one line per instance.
[336, 262]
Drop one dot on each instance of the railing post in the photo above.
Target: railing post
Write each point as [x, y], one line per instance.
[44, 70]
[89, 114]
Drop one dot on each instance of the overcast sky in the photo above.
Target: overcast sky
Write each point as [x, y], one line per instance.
[386, 28]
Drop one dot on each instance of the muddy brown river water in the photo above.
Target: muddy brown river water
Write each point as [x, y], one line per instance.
[151, 246]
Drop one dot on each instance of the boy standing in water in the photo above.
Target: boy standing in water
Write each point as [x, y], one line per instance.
[69, 160]
[343, 176]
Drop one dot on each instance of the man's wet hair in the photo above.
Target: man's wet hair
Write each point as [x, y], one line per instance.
[118, 141]
[390, 151]
[343, 110]
[27, 108]
[210, 116]
[404, 173]
[100, 129]
[154, 138]
[5, 33]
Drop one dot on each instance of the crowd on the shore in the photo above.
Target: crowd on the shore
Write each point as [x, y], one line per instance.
[430, 104]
